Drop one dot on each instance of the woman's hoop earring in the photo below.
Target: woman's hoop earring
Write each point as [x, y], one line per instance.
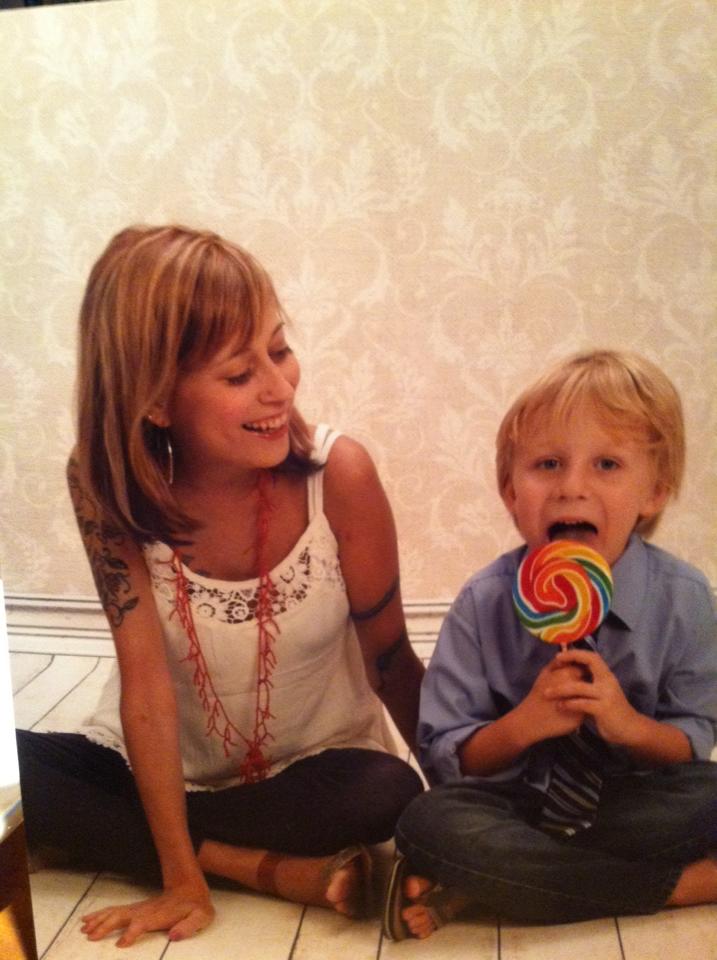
[154, 442]
[170, 458]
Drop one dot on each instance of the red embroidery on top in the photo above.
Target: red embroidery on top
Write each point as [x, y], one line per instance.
[256, 762]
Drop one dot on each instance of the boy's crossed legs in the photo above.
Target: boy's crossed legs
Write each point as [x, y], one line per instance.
[648, 849]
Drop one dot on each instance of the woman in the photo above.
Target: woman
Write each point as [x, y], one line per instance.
[247, 564]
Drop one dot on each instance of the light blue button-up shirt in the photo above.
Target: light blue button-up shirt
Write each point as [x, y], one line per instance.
[659, 639]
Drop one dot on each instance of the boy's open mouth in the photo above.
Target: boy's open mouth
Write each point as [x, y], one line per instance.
[563, 530]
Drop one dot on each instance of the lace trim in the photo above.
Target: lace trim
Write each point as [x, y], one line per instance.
[239, 604]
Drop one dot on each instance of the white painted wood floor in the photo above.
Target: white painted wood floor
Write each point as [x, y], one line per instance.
[56, 692]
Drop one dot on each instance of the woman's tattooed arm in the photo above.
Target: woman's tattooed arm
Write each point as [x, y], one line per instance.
[111, 573]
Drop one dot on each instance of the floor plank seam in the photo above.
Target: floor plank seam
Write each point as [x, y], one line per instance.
[295, 941]
[165, 950]
[67, 693]
[379, 941]
[34, 677]
[68, 918]
[619, 938]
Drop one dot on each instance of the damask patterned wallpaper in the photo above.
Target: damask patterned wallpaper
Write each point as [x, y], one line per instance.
[449, 194]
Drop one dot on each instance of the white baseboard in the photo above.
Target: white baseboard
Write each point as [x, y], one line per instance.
[46, 624]
[77, 625]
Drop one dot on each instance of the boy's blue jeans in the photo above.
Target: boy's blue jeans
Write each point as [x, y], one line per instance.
[478, 838]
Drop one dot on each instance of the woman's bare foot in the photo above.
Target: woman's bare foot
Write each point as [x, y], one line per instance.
[431, 906]
[337, 882]
[340, 881]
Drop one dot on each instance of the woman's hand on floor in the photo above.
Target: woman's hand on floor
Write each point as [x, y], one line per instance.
[182, 911]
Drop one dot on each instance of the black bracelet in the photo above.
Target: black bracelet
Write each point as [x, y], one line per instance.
[381, 605]
[384, 659]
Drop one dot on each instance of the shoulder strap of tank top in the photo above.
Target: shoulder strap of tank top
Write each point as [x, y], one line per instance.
[324, 439]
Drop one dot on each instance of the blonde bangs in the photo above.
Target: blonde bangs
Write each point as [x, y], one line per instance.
[231, 295]
[630, 394]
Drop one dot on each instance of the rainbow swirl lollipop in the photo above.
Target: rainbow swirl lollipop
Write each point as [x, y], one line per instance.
[562, 591]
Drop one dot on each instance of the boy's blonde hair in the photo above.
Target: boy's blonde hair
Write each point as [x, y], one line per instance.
[159, 301]
[633, 394]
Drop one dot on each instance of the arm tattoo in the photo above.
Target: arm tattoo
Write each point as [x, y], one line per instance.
[381, 605]
[110, 572]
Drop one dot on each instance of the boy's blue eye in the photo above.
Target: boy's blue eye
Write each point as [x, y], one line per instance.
[607, 463]
[549, 463]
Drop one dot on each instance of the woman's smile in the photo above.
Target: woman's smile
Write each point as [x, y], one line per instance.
[271, 427]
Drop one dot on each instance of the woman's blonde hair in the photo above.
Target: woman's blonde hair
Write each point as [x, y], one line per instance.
[631, 393]
[159, 300]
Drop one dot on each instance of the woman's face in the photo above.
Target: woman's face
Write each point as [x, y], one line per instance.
[231, 415]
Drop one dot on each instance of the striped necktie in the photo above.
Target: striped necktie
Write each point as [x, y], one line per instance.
[572, 796]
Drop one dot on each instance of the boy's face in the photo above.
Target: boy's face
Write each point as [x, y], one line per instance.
[581, 480]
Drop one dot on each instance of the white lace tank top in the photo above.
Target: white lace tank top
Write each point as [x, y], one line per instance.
[320, 696]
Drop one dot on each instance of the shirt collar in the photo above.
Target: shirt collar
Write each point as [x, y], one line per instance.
[629, 576]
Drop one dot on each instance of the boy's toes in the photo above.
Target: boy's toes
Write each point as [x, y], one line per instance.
[419, 921]
[415, 887]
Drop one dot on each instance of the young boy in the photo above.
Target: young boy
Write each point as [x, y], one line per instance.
[591, 452]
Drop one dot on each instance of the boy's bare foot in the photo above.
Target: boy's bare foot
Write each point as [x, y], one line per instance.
[431, 906]
[697, 884]
[416, 917]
